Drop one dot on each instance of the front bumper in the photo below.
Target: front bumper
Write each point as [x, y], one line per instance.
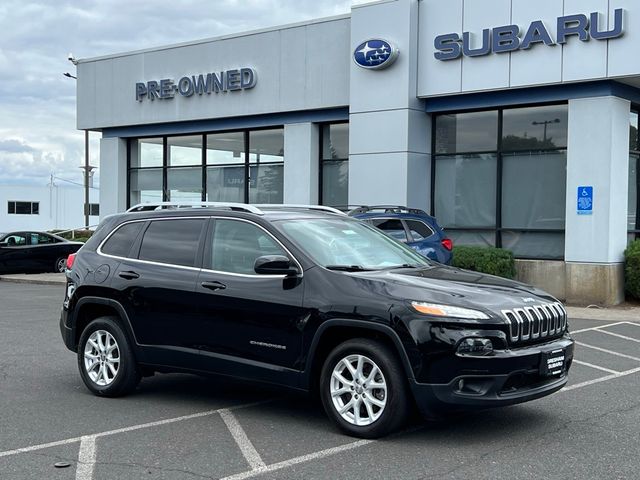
[506, 378]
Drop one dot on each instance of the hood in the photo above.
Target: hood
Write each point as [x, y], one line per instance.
[453, 286]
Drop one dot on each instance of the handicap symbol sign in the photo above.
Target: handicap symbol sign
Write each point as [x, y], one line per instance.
[585, 200]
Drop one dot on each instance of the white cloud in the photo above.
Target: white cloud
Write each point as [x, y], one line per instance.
[37, 103]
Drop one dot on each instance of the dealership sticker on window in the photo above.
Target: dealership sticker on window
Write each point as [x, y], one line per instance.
[585, 200]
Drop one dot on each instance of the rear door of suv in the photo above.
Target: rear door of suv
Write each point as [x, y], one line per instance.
[250, 322]
[157, 287]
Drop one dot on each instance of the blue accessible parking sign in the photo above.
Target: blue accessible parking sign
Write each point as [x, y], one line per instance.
[585, 200]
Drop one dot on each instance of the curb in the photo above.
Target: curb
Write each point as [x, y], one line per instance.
[604, 314]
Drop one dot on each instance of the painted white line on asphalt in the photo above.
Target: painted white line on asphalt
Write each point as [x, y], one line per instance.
[611, 352]
[239, 435]
[613, 334]
[590, 329]
[39, 447]
[86, 458]
[300, 459]
[597, 367]
[128, 429]
[601, 379]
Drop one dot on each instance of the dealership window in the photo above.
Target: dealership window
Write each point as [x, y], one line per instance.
[334, 164]
[633, 222]
[23, 208]
[94, 209]
[499, 178]
[240, 166]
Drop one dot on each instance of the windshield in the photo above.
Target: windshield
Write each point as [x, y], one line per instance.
[347, 244]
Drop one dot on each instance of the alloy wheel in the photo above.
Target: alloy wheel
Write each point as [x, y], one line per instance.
[101, 358]
[358, 390]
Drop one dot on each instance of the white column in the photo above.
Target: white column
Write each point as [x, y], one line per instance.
[113, 176]
[301, 163]
[389, 131]
[598, 156]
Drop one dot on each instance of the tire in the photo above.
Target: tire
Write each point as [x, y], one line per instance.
[391, 407]
[94, 360]
[61, 265]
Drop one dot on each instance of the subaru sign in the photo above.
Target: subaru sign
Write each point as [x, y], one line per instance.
[508, 37]
[375, 54]
[225, 81]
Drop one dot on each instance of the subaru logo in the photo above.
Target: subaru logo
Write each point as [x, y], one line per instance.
[375, 54]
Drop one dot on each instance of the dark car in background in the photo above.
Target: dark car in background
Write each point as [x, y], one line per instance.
[412, 226]
[22, 252]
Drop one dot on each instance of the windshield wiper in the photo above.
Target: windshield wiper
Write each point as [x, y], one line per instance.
[404, 265]
[348, 268]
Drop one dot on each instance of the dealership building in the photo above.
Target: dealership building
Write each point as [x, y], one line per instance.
[513, 122]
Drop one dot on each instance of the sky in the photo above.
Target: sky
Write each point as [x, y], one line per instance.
[38, 136]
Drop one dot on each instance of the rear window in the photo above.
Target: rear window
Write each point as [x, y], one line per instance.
[119, 244]
[172, 241]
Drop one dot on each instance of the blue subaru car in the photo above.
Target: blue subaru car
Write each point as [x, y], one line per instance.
[414, 227]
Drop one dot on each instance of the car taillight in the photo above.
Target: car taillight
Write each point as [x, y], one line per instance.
[70, 259]
[447, 244]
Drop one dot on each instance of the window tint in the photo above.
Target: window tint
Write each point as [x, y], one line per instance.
[236, 246]
[120, 243]
[419, 230]
[172, 241]
[393, 228]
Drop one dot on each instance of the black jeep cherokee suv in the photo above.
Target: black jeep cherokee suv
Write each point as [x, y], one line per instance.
[311, 299]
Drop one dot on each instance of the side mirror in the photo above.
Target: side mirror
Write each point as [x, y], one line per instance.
[274, 265]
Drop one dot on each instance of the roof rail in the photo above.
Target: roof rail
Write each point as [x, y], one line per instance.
[321, 208]
[387, 209]
[242, 207]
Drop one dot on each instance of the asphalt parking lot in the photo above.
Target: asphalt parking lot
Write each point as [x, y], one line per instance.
[186, 427]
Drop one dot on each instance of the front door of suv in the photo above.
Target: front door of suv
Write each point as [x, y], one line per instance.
[247, 318]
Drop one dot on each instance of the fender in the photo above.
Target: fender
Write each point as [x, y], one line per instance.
[117, 306]
[364, 325]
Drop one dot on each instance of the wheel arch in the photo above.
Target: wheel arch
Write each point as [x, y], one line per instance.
[333, 332]
[89, 308]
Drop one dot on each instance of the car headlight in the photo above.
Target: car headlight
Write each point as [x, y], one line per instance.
[438, 310]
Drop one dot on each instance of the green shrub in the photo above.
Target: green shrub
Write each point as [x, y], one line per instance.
[632, 269]
[494, 261]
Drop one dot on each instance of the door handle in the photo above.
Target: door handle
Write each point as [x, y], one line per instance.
[129, 275]
[213, 285]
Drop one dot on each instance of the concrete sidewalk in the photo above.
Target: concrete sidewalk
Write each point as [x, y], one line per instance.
[36, 278]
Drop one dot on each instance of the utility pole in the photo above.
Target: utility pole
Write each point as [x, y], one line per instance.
[87, 168]
[546, 123]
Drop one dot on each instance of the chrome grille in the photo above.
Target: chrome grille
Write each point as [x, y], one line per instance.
[536, 321]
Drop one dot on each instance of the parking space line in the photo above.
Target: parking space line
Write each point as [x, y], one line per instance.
[590, 329]
[239, 435]
[617, 354]
[86, 458]
[39, 447]
[301, 459]
[601, 379]
[613, 334]
[597, 367]
[128, 429]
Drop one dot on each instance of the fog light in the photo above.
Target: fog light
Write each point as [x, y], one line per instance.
[475, 346]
